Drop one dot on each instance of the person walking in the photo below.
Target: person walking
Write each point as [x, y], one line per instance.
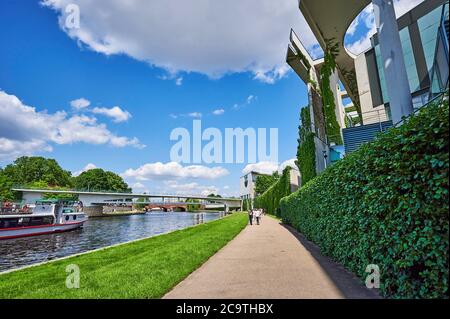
[250, 216]
[258, 216]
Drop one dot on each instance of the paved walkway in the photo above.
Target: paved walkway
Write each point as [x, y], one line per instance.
[270, 261]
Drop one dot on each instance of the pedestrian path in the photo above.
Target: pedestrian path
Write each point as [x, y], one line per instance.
[270, 261]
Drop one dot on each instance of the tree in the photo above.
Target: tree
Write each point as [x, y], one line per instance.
[193, 205]
[214, 195]
[263, 182]
[27, 170]
[99, 180]
[34, 172]
[5, 188]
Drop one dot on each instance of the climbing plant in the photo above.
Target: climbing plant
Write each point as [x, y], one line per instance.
[350, 78]
[270, 200]
[306, 150]
[329, 105]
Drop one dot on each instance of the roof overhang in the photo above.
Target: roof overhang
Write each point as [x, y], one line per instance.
[298, 57]
[330, 19]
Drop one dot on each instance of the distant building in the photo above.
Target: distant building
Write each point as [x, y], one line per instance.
[248, 183]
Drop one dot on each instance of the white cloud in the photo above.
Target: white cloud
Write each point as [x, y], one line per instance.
[173, 170]
[116, 113]
[174, 187]
[195, 114]
[179, 81]
[249, 100]
[290, 163]
[210, 37]
[25, 131]
[268, 167]
[88, 167]
[219, 112]
[80, 103]
[261, 167]
[138, 186]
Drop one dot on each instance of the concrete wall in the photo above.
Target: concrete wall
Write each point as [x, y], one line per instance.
[370, 113]
[295, 179]
[339, 110]
[93, 211]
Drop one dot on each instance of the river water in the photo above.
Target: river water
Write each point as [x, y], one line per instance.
[96, 233]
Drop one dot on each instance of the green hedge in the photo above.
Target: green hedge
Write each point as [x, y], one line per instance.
[270, 199]
[386, 204]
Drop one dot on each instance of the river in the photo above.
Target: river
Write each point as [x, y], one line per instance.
[96, 233]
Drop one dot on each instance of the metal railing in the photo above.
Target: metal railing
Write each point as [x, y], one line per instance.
[437, 99]
[371, 117]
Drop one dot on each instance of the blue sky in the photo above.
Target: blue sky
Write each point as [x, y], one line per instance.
[142, 79]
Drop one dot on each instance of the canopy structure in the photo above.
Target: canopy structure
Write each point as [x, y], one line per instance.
[330, 20]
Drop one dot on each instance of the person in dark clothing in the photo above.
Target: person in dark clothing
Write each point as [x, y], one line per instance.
[250, 216]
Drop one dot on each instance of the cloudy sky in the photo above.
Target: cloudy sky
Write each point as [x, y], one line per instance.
[108, 94]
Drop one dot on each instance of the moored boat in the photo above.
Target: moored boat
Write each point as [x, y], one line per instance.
[44, 217]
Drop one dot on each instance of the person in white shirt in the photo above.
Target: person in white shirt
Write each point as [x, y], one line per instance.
[258, 215]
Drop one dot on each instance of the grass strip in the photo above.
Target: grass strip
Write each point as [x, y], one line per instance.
[144, 269]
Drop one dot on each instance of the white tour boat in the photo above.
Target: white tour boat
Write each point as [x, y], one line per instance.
[45, 217]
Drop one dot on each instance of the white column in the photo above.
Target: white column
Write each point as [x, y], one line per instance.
[392, 55]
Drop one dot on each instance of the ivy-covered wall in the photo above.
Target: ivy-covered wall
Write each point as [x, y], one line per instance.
[270, 200]
[329, 105]
[306, 149]
[386, 204]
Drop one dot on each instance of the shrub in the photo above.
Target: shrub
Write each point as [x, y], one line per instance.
[270, 199]
[386, 204]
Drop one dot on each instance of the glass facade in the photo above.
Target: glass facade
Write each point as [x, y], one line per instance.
[380, 68]
[428, 28]
[410, 63]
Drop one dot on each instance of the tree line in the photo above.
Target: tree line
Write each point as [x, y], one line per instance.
[45, 173]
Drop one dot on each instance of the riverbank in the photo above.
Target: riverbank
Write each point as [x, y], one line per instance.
[143, 269]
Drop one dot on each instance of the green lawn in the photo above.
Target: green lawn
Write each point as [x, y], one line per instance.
[143, 269]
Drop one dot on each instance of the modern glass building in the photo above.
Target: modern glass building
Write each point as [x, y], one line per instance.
[424, 39]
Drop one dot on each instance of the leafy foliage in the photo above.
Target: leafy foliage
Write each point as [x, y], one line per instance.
[350, 78]
[263, 182]
[32, 172]
[386, 204]
[271, 198]
[329, 105]
[100, 180]
[306, 149]
[214, 195]
[5, 187]
[194, 204]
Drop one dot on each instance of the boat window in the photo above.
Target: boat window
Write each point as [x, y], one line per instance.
[48, 220]
[67, 217]
[8, 223]
[74, 217]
